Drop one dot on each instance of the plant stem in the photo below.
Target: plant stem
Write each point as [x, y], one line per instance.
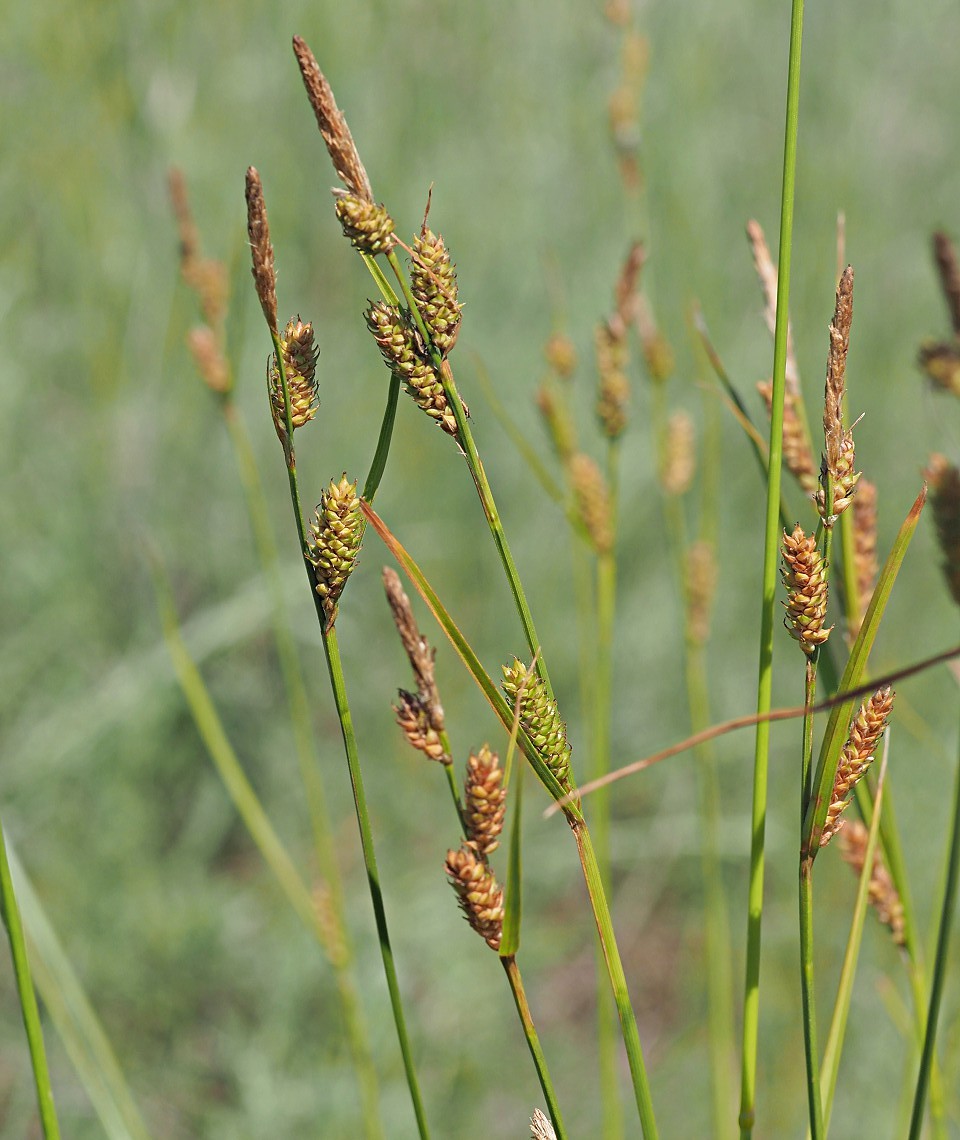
[533, 1043]
[751, 999]
[809, 1000]
[29, 1010]
[940, 964]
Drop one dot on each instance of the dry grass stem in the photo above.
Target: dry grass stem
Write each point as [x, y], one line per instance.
[797, 453]
[479, 894]
[419, 652]
[944, 480]
[593, 501]
[864, 548]
[857, 755]
[882, 893]
[769, 284]
[805, 580]
[946, 258]
[837, 469]
[540, 719]
[332, 124]
[678, 461]
[336, 534]
[258, 230]
[484, 800]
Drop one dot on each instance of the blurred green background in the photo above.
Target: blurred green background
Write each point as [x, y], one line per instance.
[220, 1007]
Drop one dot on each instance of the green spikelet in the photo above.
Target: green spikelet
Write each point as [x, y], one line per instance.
[300, 354]
[433, 279]
[336, 534]
[369, 227]
[540, 719]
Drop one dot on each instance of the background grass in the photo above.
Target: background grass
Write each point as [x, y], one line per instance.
[216, 1000]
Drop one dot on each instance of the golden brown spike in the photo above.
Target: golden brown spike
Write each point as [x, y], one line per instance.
[561, 355]
[946, 259]
[837, 469]
[944, 480]
[419, 653]
[593, 501]
[484, 800]
[864, 736]
[881, 893]
[258, 229]
[206, 277]
[805, 580]
[479, 894]
[769, 283]
[413, 718]
[332, 124]
[205, 349]
[864, 547]
[797, 453]
[335, 537]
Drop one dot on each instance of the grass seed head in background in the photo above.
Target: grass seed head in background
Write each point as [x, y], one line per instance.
[479, 893]
[419, 652]
[337, 531]
[613, 387]
[944, 480]
[484, 800]
[838, 480]
[864, 548]
[561, 355]
[433, 281]
[678, 460]
[797, 453]
[540, 719]
[558, 420]
[882, 893]
[701, 585]
[805, 580]
[261, 249]
[768, 277]
[857, 755]
[940, 360]
[946, 258]
[593, 501]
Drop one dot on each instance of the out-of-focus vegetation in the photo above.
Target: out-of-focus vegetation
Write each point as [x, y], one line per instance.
[217, 1002]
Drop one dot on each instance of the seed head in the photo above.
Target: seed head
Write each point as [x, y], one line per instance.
[797, 453]
[881, 893]
[258, 230]
[300, 354]
[941, 363]
[864, 736]
[540, 1127]
[946, 259]
[805, 580]
[205, 348]
[540, 719]
[678, 461]
[769, 279]
[558, 421]
[414, 719]
[336, 534]
[479, 894]
[369, 227]
[561, 355]
[484, 800]
[419, 652]
[864, 547]
[593, 501]
[701, 583]
[433, 280]
[837, 469]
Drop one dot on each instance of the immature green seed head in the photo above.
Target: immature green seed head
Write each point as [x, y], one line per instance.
[540, 719]
[433, 279]
[336, 534]
[300, 354]
[369, 227]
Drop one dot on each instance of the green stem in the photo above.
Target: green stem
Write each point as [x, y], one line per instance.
[29, 1010]
[338, 686]
[533, 1043]
[940, 964]
[751, 1000]
[618, 981]
[809, 1000]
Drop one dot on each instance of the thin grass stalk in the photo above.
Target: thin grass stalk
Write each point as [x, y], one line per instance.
[814, 1105]
[940, 965]
[512, 970]
[29, 1010]
[751, 999]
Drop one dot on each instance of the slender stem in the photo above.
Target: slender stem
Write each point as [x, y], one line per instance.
[28, 998]
[618, 981]
[809, 1000]
[512, 971]
[338, 686]
[751, 1001]
[940, 964]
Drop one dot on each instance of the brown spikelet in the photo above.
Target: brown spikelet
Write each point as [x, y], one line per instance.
[204, 346]
[805, 580]
[864, 547]
[206, 277]
[336, 534]
[626, 292]
[261, 250]
[484, 801]
[656, 348]
[414, 719]
[944, 480]
[368, 227]
[797, 453]
[419, 652]
[433, 281]
[593, 501]
[540, 1126]
[881, 893]
[332, 124]
[678, 459]
[479, 894]
[864, 736]
[540, 718]
[837, 474]
[769, 284]
[701, 584]
[561, 355]
[941, 363]
[946, 259]
[558, 421]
